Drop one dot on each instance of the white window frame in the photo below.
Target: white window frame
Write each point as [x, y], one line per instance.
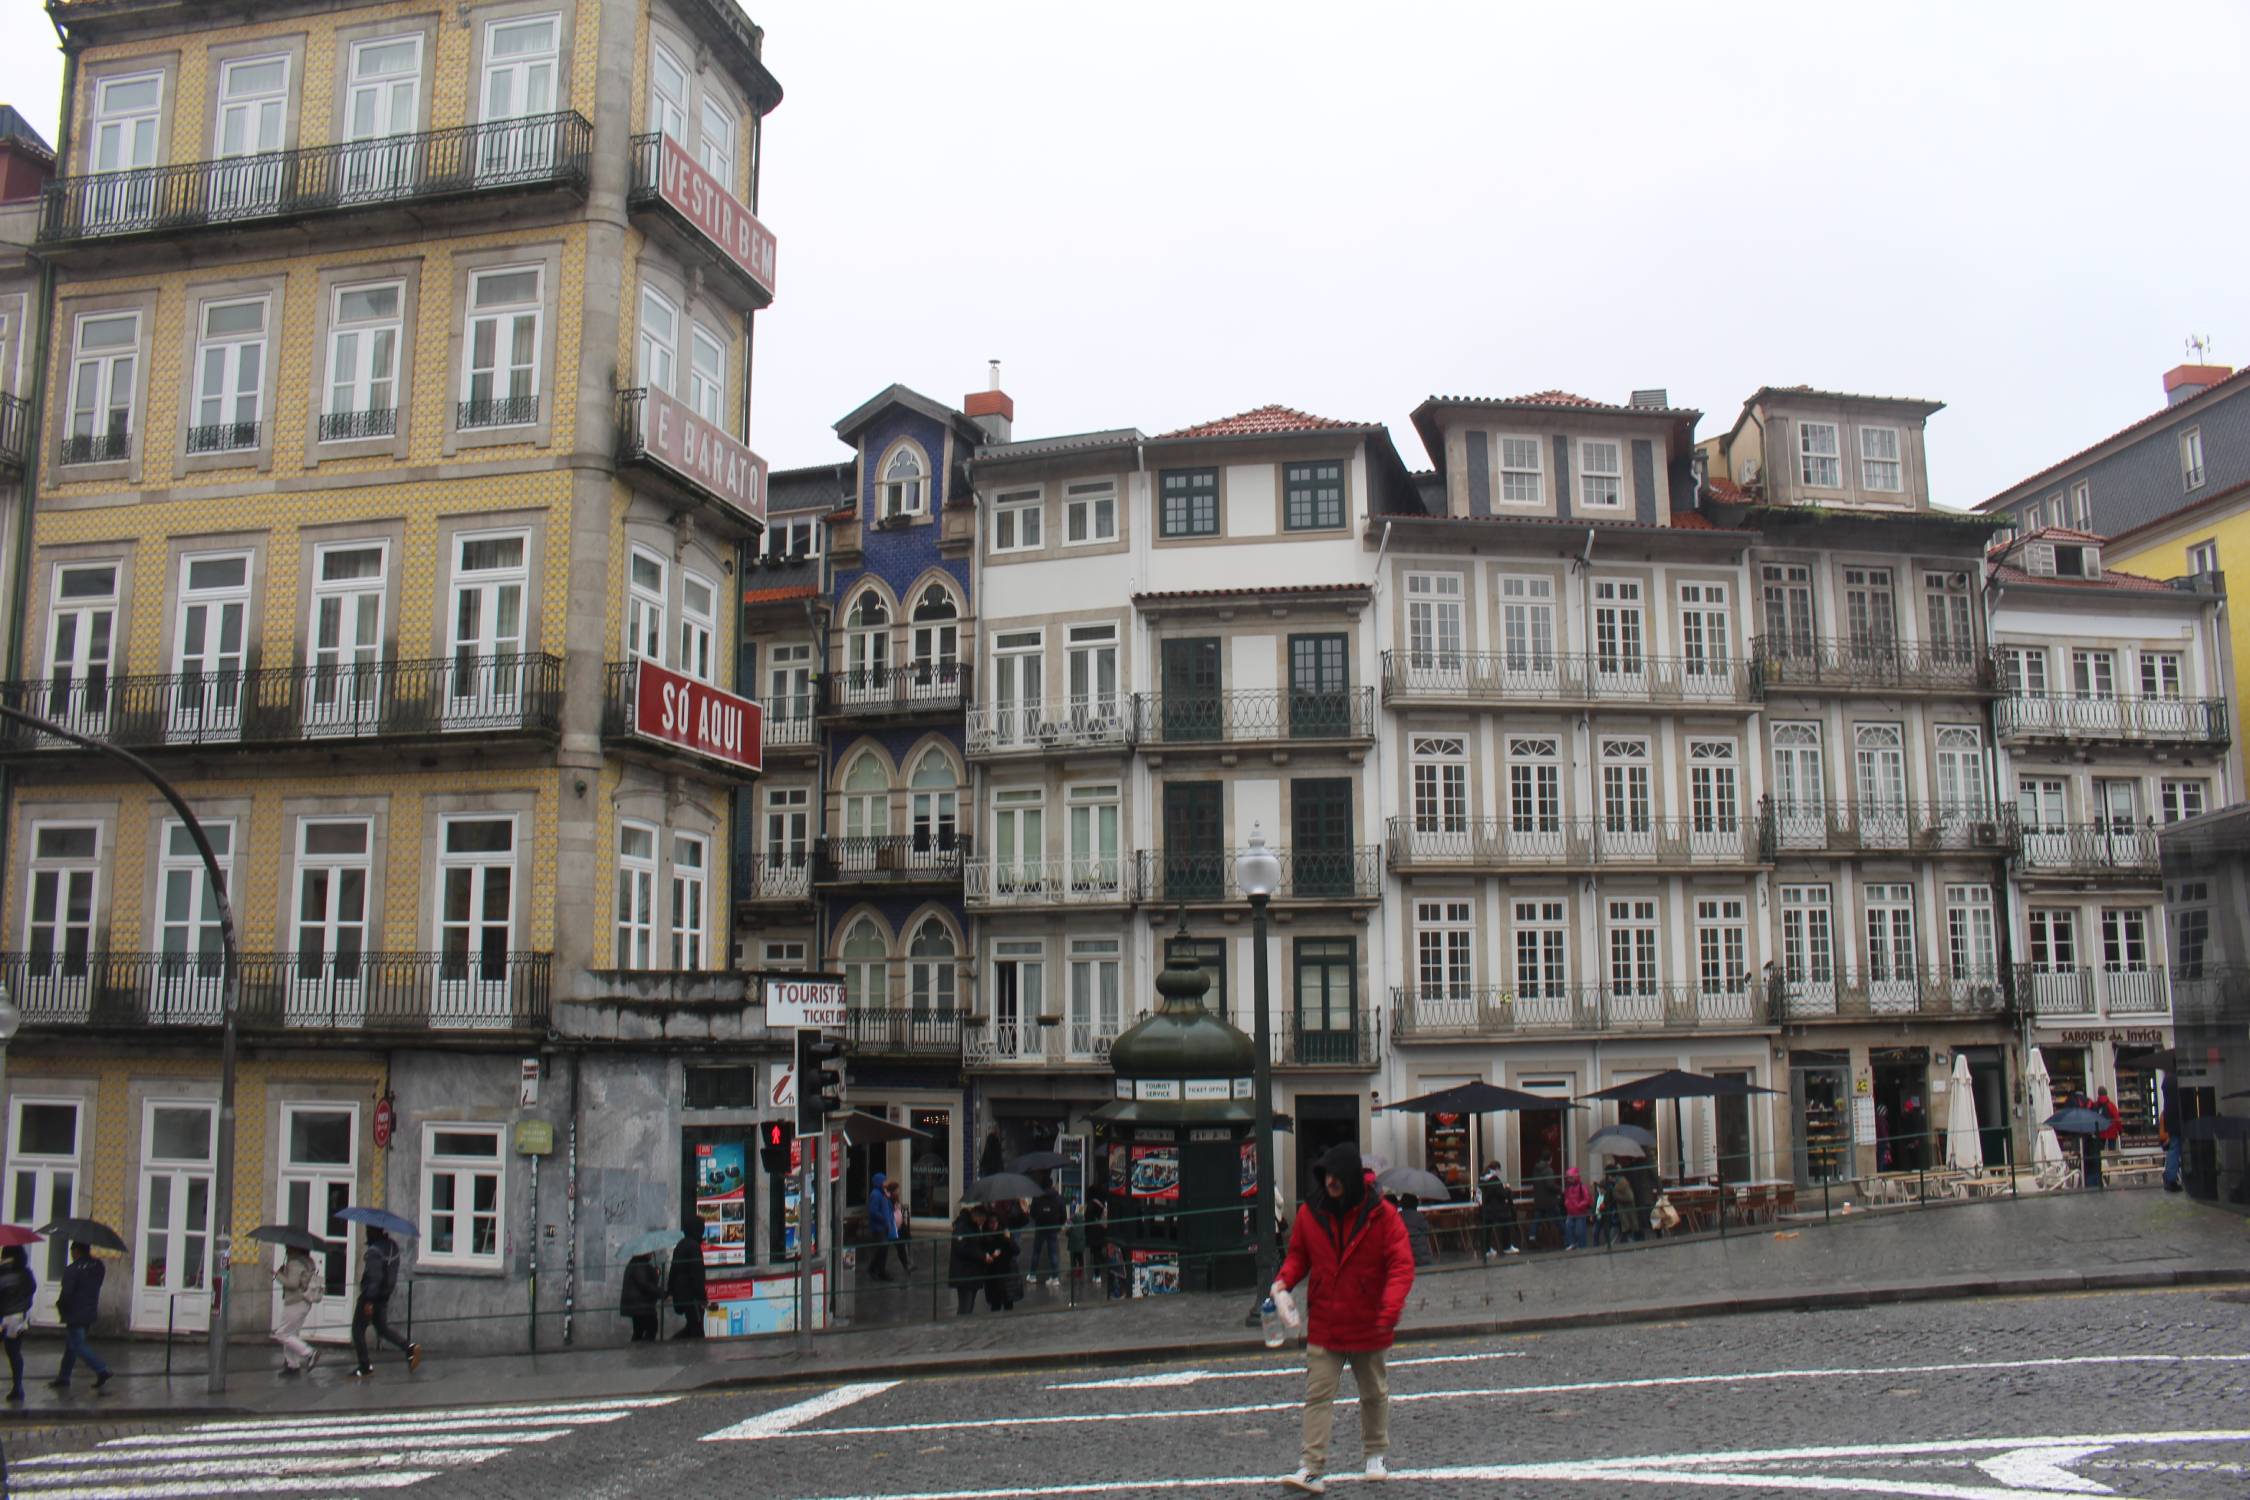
[690, 904]
[1722, 946]
[2182, 797]
[699, 627]
[900, 492]
[77, 689]
[1601, 488]
[1540, 931]
[355, 348]
[1633, 945]
[464, 1170]
[2191, 459]
[714, 143]
[1972, 950]
[505, 319]
[2203, 557]
[1019, 521]
[1445, 965]
[1089, 512]
[1517, 475]
[782, 534]
[667, 113]
[2162, 673]
[1097, 1004]
[95, 400]
[2027, 669]
[343, 675]
[645, 606]
[489, 678]
[638, 844]
[51, 970]
[1872, 463]
[36, 1180]
[707, 374]
[2082, 506]
[475, 997]
[226, 385]
[658, 345]
[1820, 467]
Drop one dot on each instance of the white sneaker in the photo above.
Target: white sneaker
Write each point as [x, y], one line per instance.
[1054, 1281]
[1305, 1482]
[1515, 1250]
[1376, 1468]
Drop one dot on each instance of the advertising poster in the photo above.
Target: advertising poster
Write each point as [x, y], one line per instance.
[1156, 1172]
[1117, 1168]
[1446, 1142]
[1250, 1168]
[1071, 1181]
[722, 1202]
[1156, 1273]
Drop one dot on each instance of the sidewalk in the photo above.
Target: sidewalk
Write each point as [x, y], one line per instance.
[2130, 1238]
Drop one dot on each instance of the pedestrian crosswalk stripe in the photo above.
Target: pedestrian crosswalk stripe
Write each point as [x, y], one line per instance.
[410, 1416]
[313, 1447]
[431, 1422]
[324, 1484]
[783, 1419]
[1168, 1378]
[229, 1469]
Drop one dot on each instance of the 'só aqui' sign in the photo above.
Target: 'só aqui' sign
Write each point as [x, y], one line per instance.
[697, 716]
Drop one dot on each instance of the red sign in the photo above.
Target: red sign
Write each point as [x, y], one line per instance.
[697, 716]
[703, 453]
[703, 201]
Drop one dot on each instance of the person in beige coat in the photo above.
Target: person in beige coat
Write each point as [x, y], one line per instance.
[300, 1289]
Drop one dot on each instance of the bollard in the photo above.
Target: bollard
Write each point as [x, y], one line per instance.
[171, 1313]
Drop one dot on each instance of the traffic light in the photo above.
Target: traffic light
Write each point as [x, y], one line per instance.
[820, 1078]
[774, 1137]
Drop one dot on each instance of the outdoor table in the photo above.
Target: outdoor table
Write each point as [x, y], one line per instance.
[1698, 1203]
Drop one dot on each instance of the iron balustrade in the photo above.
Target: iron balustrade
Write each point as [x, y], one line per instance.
[1004, 1041]
[1354, 1044]
[1902, 990]
[846, 859]
[2127, 990]
[1790, 662]
[915, 687]
[114, 446]
[2071, 716]
[1073, 724]
[223, 437]
[462, 989]
[1502, 1010]
[885, 1032]
[518, 693]
[2211, 994]
[345, 426]
[1849, 827]
[1500, 843]
[1233, 716]
[498, 411]
[15, 431]
[789, 723]
[549, 150]
[1092, 880]
[785, 875]
[1350, 873]
[2093, 849]
[1566, 677]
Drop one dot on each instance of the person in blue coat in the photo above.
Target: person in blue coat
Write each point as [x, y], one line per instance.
[882, 1228]
[79, 1304]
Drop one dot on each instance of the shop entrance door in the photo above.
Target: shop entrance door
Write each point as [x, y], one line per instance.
[318, 1173]
[1323, 1121]
[1988, 1087]
[1820, 1097]
[1902, 1110]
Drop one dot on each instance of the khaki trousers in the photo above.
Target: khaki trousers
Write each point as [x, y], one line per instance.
[1324, 1371]
[294, 1350]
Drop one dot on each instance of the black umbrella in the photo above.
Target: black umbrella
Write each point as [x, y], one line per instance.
[1476, 1099]
[2219, 1128]
[2077, 1121]
[85, 1231]
[290, 1235]
[1001, 1187]
[1039, 1161]
[1676, 1084]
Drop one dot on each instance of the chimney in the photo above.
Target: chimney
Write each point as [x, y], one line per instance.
[2186, 382]
[992, 409]
[1656, 399]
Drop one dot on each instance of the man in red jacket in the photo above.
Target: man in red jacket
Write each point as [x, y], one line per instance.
[1353, 1245]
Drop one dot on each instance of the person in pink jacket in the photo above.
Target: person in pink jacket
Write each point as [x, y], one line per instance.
[1577, 1203]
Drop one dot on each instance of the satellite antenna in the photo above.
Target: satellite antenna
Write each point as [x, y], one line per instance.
[2199, 348]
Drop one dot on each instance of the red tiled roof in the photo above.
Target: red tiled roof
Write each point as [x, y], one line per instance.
[1725, 489]
[1554, 398]
[2157, 415]
[1691, 520]
[1260, 420]
[2132, 583]
[789, 591]
[2066, 534]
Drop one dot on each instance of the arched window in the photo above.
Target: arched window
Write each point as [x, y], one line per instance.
[937, 632]
[863, 956]
[867, 649]
[930, 961]
[937, 804]
[906, 485]
[867, 812]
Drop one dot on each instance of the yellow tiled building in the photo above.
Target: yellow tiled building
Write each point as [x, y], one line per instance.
[391, 455]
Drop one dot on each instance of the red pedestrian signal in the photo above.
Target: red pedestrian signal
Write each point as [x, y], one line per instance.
[774, 1140]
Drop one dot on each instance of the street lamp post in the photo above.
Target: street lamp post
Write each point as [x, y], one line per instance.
[1258, 871]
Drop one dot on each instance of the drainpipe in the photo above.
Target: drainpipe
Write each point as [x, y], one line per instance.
[1380, 960]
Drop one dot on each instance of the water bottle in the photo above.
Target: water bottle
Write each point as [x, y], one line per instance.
[1269, 1317]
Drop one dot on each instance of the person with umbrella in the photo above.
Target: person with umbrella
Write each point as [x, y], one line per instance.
[17, 1285]
[882, 1226]
[79, 1305]
[640, 1296]
[965, 1270]
[686, 1286]
[378, 1278]
[1496, 1212]
[300, 1289]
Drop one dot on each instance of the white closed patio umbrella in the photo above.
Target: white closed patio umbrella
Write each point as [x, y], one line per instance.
[2046, 1151]
[1964, 1141]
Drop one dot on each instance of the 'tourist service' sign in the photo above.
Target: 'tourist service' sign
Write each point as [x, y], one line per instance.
[703, 201]
[697, 716]
[703, 453]
[804, 1002]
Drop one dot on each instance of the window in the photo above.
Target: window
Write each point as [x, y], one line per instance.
[476, 918]
[1868, 611]
[1019, 839]
[229, 376]
[867, 802]
[667, 93]
[102, 373]
[1527, 626]
[789, 681]
[1971, 943]
[519, 78]
[1096, 859]
[788, 829]
[1879, 466]
[1879, 767]
[1018, 670]
[1632, 947]
[1320, 703]
[1445, 950]
[715, 146]
[382, 100]
[2203, 557]
[43, 1181]
[2082, 506]
[906, 485]
[1019, 997]
[799, 538]
[1327, 998]
[1704, 629]
[1722, 954]
[1441, 784]
[2160, 674]
[461, 1203]
[2189, 909]
[931, 967]
[1799, 782]
[691, 875]
[782, 955]
[1601, 473]
[1618, 632]
[1625, 789]
[1190, 502]
[1945, 601]
[489, 578]
[659, 341]
[1820, 462]
[2191, 459]
[1523, 481]
[2027, 669]
[334, 866]
[81, 638]
[344, 645]
[191, 965]
[644, 607]
[2182, 798]
[699, 623]
[864, 959]
[128, 111]
[2039, 802]
[2054, 939]
[1789, 607]
[707, 375]
[1891, 958]
[1960, 771]
[66, 863]
[937, 634]
[208, 646]
[2124, 939]
[636, 896]
[1433, 622]
[1312, 496]
[1090, 512]
[252, 108]
[1096, 1000]
[500, 381]
[1542, 947]
[1093, 674]
[1534, 793]
[1808, 938]
[2093, 674]
[364, 326]
[172, 1252]
[1016, 517]
[1714, 796]
[934, 804]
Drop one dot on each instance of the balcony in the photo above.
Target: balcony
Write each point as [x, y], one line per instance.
[1645, 843]
[673, 451]
[1017, 1043]
[2136, 993]
[1013, 884]
[1825, 665]
[783, 879]
[922, 689]
[282, 188]
[890, 859]
[1932, 992]
[1036, 729]
[698, 216]
[322, 707]
[223, 437]
[1345, 875]
[1356, 1044]
[1893, 828]
[2089, 851]
[1252, 716]
[1498, 1012]
[112, 447]
[285, 993]
[934, 1034]
[1477, 678]
[790, 726]
[2027, 718]
[15, 432]
[2211, 995]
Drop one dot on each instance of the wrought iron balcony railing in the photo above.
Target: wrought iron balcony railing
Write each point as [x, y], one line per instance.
[1906, 827]
[2067, 716]
[935, 856]
[1566, 843]
[1355, 1041]
[790, 725]
[1900, 991]
[1350, 873]
[1457, 1011]
[498, 411]
[297, 705]
[1233, 716]
[1562, 677]
[1015, 1041]
[2090, 849]
[2051, 990]
[113, 446]
[775, 875]
[1072, 724]
[223, 437]
[15, 431]
[468, 988]
[917, 687]
[346, 426]
[903, 1032]
[550, 150]
[2211, 994]
[1825, 664]
[1091, 881]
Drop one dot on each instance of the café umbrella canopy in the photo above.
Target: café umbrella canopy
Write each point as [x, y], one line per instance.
[379, 1218]
[85, 1232]
[1676, 1084]
[1477, 1098]
[2046, 1151]
[1964, 1140]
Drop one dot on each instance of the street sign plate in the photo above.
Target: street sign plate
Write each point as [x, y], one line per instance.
[804, 1002]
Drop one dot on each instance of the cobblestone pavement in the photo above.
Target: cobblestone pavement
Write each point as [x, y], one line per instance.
[2134, 1394]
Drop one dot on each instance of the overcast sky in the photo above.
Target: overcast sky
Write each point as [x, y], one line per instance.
[1156, 214]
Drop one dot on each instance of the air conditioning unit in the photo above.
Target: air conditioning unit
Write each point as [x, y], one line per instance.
[1985, 833]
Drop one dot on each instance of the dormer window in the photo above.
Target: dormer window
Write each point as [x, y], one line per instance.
[1521, 479]
[1820, 456]
[2078, 562]
[906, 485]
[1601, 473]
[1879, 464]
